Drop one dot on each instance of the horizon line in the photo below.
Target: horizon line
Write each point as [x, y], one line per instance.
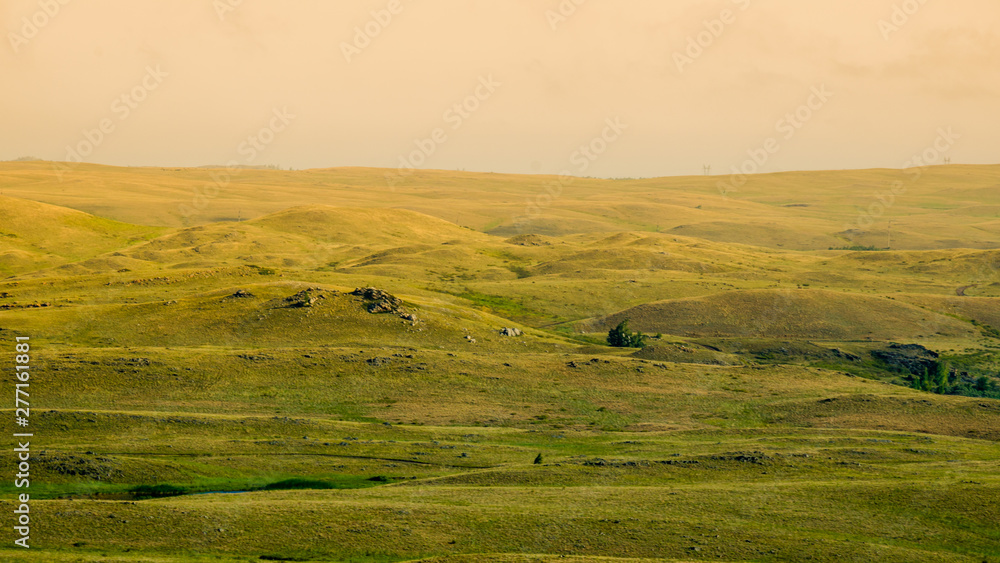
[63, 165]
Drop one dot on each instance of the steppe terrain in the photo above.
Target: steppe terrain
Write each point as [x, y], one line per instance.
[820, 381]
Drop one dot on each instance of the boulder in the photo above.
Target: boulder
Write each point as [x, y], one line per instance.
[378, 301]
[306, 297]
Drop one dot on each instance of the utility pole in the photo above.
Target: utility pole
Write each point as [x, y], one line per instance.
[708, 169]
[890, 236]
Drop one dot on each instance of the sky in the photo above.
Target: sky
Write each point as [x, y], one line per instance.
[623, 88]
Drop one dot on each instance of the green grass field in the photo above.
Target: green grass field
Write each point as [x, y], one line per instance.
[777, 413]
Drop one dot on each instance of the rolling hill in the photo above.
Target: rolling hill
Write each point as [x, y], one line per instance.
[35, 235]
[945, 207]
[390, 373]
[790, 314]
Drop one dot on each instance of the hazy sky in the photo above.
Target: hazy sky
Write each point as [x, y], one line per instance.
[200, 78]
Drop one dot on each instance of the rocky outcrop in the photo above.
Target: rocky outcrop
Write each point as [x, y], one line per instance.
[378, 301]
[305, 298]
[528, 240]
[912, 358]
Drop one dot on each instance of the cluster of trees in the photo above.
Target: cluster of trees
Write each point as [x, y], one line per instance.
[944, 380]
[622, 337]
[935, 380]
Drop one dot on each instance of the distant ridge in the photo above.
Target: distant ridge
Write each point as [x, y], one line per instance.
[950, 206]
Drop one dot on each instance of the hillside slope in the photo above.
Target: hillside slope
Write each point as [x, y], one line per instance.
[36, 235]
[802, 402]
[794, 314]
[946, 207]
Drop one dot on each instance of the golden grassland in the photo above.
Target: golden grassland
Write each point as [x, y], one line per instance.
[209, 354]
[938, 207]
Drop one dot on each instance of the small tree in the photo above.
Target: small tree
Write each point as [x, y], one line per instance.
[983, 384]
[925, 381]
[617, 337]
[941, 370]
[622, 337]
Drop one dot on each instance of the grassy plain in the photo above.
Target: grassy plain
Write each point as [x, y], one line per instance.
[209, 355]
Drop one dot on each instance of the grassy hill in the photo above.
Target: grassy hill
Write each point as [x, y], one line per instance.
[778, 415]
[34, 235]
[942, 207]
[800, 314]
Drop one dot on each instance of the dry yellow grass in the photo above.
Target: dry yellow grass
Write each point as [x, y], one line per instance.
[790, 314]
[946, 207]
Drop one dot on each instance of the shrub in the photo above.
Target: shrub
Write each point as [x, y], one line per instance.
[156, 491]
[622, 337]
[297, 483]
